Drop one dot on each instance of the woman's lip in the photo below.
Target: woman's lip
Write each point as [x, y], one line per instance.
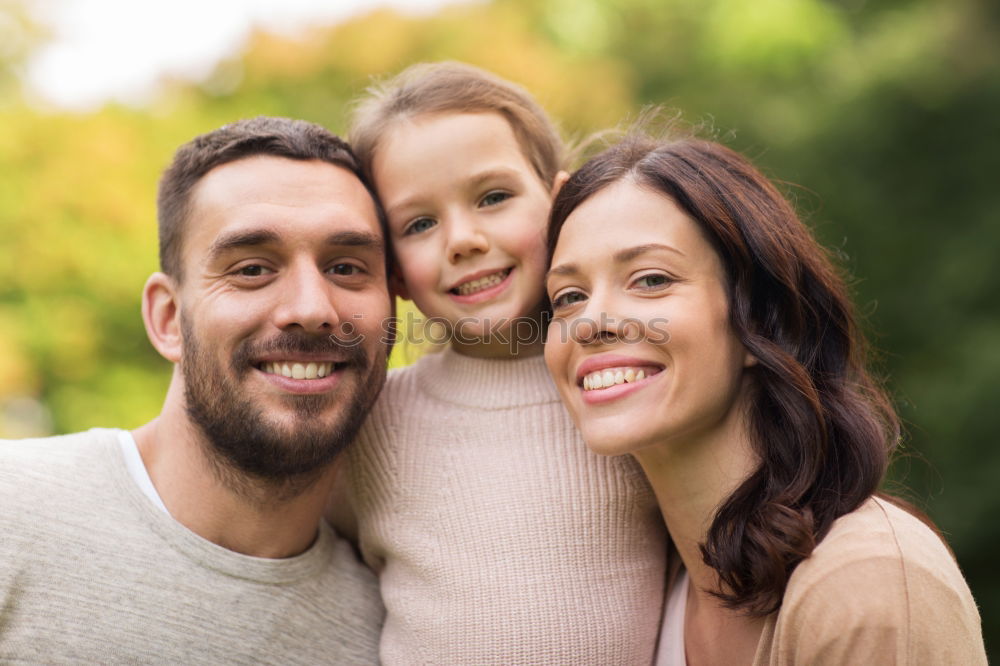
[485, 294]
[605, 361]
[599, 396]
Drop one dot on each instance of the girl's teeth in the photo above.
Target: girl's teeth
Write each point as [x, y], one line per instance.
[472, 286]
[611, 377]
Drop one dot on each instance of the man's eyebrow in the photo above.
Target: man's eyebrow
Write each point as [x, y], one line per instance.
[620, 257]
[241, 239]
[361, 239]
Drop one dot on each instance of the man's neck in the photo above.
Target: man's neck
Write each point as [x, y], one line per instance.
[239, 514]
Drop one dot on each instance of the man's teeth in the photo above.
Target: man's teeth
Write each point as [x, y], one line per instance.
[611, 376]
[472, 286]
[299, 370]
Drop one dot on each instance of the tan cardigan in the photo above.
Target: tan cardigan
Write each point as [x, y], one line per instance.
[881, 588]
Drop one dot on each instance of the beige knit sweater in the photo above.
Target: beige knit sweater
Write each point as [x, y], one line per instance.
[498, 537]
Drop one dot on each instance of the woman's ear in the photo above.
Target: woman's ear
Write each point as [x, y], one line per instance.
[161, 315]
[749, 360]
[558, 182]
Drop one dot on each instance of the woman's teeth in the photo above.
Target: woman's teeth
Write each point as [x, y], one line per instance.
[612, 376]
[479, 284]
[298, 370]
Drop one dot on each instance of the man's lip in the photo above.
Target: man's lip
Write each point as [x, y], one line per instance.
[605, 361]
[299, 357]
[305, 386]
[475, 276]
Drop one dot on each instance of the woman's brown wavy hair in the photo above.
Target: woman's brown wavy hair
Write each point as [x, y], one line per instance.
[822, 427]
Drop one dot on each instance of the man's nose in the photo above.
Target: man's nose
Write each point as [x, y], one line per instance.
[465, 237]
[307, 301]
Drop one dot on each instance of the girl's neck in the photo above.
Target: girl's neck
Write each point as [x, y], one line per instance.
[522, 339]
[691, 480]
[494, 350]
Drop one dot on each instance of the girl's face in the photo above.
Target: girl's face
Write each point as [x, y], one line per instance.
[640, 346]
[467, 216]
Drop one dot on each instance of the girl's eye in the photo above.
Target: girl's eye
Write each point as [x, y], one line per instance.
[419, 225]
[252, 270]
[567, 298]
[653, 281]
[495, 197]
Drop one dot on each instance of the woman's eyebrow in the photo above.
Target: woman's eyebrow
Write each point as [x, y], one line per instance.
[628, 254]
[562, 269]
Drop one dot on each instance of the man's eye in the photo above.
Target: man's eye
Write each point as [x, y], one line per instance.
[253, 270]
[567, 298]
[420, 225]
[345, 269]
[495, 197]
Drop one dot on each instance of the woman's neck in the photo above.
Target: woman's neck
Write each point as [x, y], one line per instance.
[691, 480]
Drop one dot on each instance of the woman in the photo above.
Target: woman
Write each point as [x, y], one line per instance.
[699, 327]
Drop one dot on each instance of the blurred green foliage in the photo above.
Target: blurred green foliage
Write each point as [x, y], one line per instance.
[885, 114]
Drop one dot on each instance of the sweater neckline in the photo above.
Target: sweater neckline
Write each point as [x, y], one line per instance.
[491, 384]
[207, 554]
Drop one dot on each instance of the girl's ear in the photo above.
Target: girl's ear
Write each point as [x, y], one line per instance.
[558, 182]
[161, 315]
[397, 287]
[749, 360]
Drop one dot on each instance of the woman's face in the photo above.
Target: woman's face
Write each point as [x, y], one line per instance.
[640, 345]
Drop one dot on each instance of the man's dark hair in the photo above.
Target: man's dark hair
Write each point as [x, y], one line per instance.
[280, 137]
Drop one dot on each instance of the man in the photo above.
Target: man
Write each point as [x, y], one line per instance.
[197, 538]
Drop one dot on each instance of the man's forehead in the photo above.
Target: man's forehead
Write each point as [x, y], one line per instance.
[288, 197]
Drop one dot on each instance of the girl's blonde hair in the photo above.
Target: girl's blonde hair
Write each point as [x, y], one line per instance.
[458, 88]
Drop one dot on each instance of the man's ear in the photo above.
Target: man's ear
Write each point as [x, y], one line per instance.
[558, 182]
[161, 315]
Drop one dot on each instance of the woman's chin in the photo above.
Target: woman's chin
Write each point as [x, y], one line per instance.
[613, 441]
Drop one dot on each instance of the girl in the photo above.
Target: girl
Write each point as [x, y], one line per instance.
[498, 538]
[699, 327]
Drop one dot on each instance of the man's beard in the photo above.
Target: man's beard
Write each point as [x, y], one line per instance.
[249, 449]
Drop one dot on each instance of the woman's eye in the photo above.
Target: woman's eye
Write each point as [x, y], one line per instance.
[652, 281]
[567, 298]
[495, 197]
[420, 225]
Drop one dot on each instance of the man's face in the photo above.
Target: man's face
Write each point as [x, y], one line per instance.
[281, 313]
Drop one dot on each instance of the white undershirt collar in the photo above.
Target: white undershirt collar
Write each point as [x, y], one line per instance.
[137, 470]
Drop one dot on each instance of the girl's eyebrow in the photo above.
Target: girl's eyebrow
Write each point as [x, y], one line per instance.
[491, 174]
[473, 181]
